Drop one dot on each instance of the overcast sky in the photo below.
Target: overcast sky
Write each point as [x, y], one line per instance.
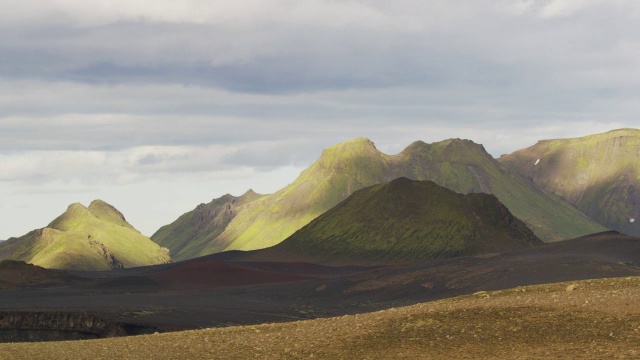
[156, 106]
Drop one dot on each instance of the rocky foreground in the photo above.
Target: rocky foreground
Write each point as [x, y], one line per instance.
[584, 319]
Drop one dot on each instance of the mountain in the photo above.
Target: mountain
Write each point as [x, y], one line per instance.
[404, 221]
[93, 238]
[598, 174]
[460, 165]
[193, 231]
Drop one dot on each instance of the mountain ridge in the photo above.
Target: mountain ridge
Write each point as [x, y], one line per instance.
[403, 221]
[460, 165]
[598, 174]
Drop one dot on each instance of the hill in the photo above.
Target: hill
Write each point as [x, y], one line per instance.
[93, 238]
[459, 165]
[598, 174]
[404, 221]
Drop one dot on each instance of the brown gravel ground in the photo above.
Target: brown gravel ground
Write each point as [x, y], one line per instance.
[592, 319]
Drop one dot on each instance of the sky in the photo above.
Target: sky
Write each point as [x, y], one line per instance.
[156, 106]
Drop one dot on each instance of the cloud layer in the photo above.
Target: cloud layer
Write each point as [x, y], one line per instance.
[127, 99]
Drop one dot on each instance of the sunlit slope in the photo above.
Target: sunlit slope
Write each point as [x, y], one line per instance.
[598, 174]
[459, 165]
[405, 221]
[268, 220]
[93, 238]
[195, 230]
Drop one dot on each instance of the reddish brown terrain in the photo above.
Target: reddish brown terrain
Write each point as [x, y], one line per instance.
[18, 274]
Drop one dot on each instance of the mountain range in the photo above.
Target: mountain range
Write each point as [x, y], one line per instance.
[598, 174]
[403, 221]
[86, 238]
[255, 221]
[560, 189]
[359, 232]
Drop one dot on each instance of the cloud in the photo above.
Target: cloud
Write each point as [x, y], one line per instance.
[264, 46]
[516, 7]
[563, 8]
[242, 14]
[40, 166]
[309, 46]
[135, 98]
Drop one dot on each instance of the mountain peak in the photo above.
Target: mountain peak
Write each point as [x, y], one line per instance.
[74, 210]
[416, 147]
[76, 206]
[250, 194]
[466, 143]
[93, 238]
[362, 140]
[77, 213]
[358, 148]
[451, 144]
[225, 197]
[105, 211]
[356, 145]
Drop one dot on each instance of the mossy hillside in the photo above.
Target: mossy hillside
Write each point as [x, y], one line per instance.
[551, 218]
[340, 171]
[406, 221]
[460, 165]
[93, 238]
[598, 174]
[266, 221]
[195, 230]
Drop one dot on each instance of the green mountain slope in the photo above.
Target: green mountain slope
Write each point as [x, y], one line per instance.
[405, 221]
[598, 174]
[193, 231]
[93, 238]
[459, 165]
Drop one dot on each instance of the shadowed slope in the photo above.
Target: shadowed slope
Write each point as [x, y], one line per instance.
[459, 165]
[598, 174]
[93, 238]
[405, 221]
